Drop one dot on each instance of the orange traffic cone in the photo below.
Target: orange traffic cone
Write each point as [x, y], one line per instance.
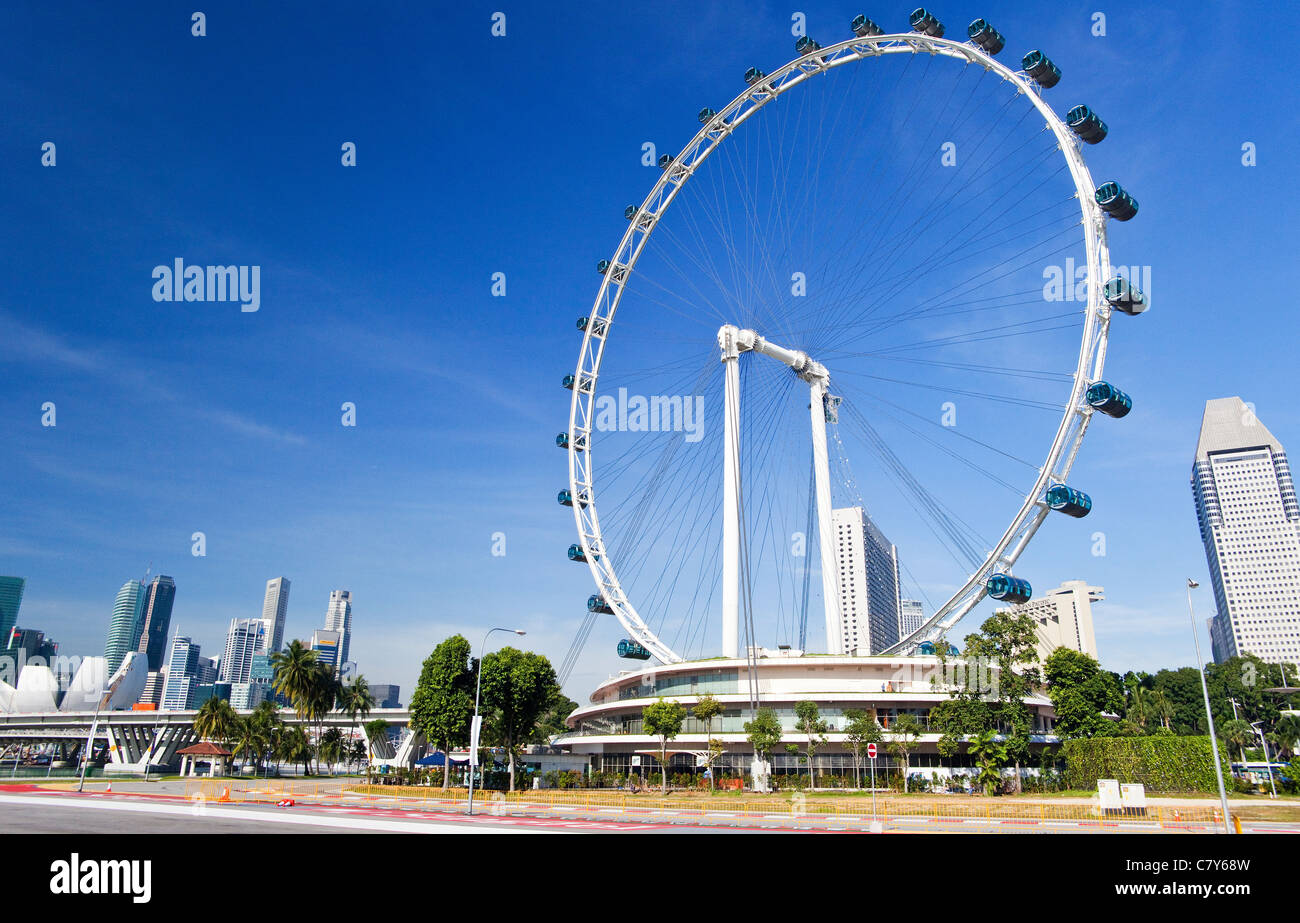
[225, 794]
[109, 788]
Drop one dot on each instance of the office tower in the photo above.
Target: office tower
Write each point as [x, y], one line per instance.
[245, 638]
[339, 618]
[1250, 524]
[248, 695]
[870, 603]
[11, 597]
[326, 645]
[387, 695]
[261, 670]
[910, 617]
[208, 670]
[153, 688]
[126, 624]
[1064, 617]
[182, 675]
[160, 595]
[275, 607]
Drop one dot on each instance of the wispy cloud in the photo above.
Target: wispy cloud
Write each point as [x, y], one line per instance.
[23, 343]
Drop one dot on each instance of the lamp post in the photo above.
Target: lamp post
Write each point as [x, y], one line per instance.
[1209, 717]
[1258, 727]
[474, 727]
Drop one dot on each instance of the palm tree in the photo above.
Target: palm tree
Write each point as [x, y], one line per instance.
[215, 720]
[331, 747]
[295, 746]
[320, 700]
[267, 719]
[249, 738]
[296, 670]
[1160, 707]
[1238, 734]
[990, 755]
[356, 701]
[1287, 734]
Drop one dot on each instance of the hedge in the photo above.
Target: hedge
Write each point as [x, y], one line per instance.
[1162, 763]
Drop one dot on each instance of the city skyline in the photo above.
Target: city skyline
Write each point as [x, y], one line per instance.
[249, 449]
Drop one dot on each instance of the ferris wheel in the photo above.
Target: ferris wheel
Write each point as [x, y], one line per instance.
[874, 288]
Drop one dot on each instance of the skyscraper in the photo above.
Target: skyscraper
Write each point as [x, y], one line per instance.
[326, 645]
[275, 607]
[870, 603]
[1250, 524]
[1064, 617]
[126, 624]
[339, 618]
[11, 597]
[182, 670]
[160, 594]
[245, 638]
[910, 616]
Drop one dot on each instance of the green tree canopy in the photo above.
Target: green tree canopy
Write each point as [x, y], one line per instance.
[1080, 692]
[443, 702]
[518, 686]
[663, 718]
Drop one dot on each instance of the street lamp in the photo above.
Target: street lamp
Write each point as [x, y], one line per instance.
[474, 727]
[1209, 717]
[1258, 727]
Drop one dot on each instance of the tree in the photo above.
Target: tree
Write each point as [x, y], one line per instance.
[705, 710]
[331, 746]
[296, 670]
[1009, 643]
[356, 700]
[1287, 735]
[1239, 734]
[1080, 692]
[810, 723]
[320, 698]
[764, 732]
[553, 720]
[443, 702]
[904, 734]
[266, 719]
[861, 729]
[216, 720]
[990, 754]
[295, 747]
[248, 739]
[517, 687]
[375, 730]
[663, 719]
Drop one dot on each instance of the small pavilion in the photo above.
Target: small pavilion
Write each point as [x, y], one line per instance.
[215, 755]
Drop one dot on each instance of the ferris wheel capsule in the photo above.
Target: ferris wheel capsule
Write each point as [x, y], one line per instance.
[753, 75]
[577, 555]
[1085, 123]
[1040, 67]
[807, 45]
[596, 603]
[1069, 501]
[1115, 202]
[1123, 295]
[926, 23]
[1005, 588]
[987, 37]
[864, 28]
[1106, 398]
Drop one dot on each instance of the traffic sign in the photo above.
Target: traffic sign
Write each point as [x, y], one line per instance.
[871, 751]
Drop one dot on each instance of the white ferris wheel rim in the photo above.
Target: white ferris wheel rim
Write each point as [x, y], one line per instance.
[1076, 413]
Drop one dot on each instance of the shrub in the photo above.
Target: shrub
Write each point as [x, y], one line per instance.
[1161, 763]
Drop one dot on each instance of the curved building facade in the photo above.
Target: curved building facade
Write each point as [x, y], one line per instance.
[127, 621]
[609, 729]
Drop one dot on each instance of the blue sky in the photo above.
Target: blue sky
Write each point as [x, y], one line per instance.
[477, 155]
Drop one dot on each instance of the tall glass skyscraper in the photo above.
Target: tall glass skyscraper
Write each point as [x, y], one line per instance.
[245, 638]
[11, 597]
[867, 564]
[275, 607]
[160, 595]
[1250, 523]
[339, 618]
[182, 675]
[127, 622]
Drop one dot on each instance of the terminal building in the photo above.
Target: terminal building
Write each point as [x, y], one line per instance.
[609, 728]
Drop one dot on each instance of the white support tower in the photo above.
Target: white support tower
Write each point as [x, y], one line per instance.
[734, 341]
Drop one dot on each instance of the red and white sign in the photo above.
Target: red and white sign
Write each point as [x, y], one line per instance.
[871, 751]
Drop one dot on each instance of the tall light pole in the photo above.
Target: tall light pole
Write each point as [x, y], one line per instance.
[1205, 691]
[474, 727]
[1258, 727]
